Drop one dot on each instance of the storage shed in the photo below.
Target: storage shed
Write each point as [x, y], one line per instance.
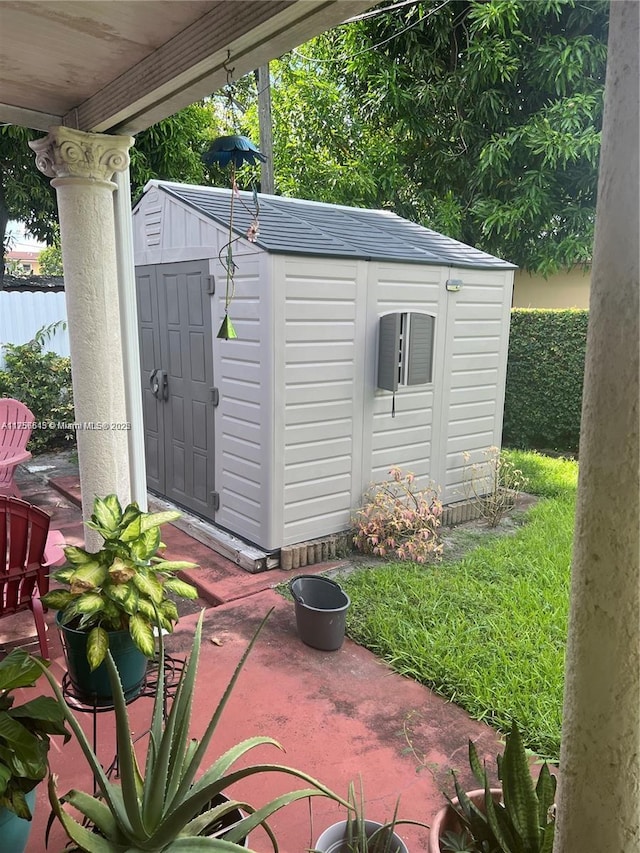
[365, 341]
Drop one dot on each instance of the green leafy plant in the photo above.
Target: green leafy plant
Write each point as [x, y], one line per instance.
[399, 520]
[493, 486]
[524, 821]
[164, 807]
[42, 381]
[123, 586]
[24, 731]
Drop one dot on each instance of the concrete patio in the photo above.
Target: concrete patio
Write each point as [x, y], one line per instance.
[339, 715]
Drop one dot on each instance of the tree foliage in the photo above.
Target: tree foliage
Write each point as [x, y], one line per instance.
[169, 150]
[480, 118]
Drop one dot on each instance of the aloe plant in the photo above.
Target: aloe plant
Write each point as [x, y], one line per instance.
[358, 834]
[166, 809]
[523, 822]
[124, 585]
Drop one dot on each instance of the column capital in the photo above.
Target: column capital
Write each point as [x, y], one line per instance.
[69, 153]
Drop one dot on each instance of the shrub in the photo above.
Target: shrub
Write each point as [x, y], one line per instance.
[398, 520]
[493, 486]
[543, 399]
[42, 381]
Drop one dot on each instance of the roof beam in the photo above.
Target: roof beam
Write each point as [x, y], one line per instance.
[28, 118]
[191, 65]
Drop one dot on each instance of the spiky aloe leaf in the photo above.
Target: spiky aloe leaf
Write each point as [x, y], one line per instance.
[142, 635]
[546, 845]
[97, 645]
[84, 838]
[97, 812]
[520, 799]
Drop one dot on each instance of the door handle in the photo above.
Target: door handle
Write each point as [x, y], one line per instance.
[159, 384]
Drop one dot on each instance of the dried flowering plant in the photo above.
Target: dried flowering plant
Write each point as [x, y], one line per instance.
[493, 485]
[399, 520]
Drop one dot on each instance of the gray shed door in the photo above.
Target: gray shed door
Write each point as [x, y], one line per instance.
[176, 354]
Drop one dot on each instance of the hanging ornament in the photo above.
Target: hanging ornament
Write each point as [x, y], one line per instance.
[233, 150]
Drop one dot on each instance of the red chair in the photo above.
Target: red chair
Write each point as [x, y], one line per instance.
[26, 553]
[16, 423]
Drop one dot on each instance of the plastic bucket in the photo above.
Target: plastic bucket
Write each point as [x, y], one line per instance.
[321, 609]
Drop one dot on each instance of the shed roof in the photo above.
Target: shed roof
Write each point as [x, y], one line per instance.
[300, 227]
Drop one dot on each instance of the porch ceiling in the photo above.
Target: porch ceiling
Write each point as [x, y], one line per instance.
[109, 66]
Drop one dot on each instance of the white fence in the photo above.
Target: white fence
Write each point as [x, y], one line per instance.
[22, 313]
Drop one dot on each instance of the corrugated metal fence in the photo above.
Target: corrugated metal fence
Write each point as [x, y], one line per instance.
[23, 313]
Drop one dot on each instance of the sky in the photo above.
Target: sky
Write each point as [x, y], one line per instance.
[20, 237]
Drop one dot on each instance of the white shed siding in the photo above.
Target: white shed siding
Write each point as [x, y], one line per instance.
[405, 440]
[23, 313]
[166, 231]
[243, 416]
[476, 353]
[321, 361]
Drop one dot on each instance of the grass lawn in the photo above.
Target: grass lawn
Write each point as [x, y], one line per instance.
[487, 631]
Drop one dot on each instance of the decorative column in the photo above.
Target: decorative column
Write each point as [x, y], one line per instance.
[82, 165]
[599, 793]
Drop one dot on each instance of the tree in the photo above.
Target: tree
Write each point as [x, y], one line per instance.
[480, 118]
[50, 259]
[169, 150]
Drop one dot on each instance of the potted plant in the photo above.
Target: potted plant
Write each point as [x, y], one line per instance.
[24, 746]
[357, 834]
[516, 818]
[115, 597]
[160, 808]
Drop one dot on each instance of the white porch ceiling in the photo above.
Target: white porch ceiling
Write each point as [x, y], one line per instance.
[122, 65]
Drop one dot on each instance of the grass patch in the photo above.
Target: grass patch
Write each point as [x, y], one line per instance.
[547, 477]
[487, 631]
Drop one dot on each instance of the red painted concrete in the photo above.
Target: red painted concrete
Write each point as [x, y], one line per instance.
[339, 715]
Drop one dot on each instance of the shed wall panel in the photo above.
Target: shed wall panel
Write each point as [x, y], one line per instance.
[244, 411]
[320, 387]
[477, 354]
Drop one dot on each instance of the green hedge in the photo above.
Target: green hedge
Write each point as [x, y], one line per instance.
[544, 379]
[42, 381]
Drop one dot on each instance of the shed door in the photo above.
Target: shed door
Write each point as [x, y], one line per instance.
[176, 354]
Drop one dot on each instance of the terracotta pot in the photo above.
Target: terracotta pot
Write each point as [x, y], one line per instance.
[447, 820]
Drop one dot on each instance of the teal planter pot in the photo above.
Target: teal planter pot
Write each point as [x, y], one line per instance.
[14, 830]
[94, 687]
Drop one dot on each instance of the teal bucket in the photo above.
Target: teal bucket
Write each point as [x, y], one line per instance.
[14, 830]
[95, 687]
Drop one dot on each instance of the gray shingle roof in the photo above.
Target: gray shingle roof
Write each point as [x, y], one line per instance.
[299, 227]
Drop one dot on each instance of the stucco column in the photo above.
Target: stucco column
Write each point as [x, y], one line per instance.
[599, 797]
[82, 165]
